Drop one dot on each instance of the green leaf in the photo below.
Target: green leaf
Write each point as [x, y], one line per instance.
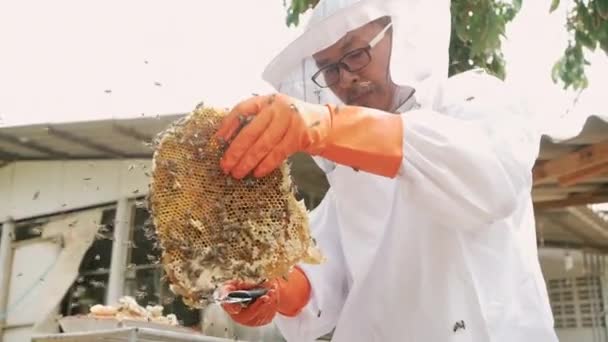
[556, 71]
[602, 8]
[494, 30]
[585, 40]
[517, 5]
[462, 32]
[554, 5]
[296, 8]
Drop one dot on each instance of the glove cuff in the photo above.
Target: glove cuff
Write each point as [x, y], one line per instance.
[365, 139]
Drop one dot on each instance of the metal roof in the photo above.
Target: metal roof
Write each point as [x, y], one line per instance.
[572, 227]
[573, 171]
[101, 139]
[126, 138]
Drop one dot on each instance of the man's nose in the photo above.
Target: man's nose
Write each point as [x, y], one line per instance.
[347, 78]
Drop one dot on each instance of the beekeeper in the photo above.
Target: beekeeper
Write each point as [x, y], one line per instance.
[428, 225]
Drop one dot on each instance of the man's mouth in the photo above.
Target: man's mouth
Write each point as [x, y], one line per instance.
[359, 92]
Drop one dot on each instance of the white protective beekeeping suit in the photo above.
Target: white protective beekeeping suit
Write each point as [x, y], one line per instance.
[446, 251]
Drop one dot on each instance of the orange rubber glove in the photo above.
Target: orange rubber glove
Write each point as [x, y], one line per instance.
[286, 297]
[362, 138]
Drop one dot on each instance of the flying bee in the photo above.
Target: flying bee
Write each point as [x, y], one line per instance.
[97, 284]
[168, 300]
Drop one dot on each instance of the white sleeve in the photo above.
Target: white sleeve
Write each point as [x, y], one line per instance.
[325, 165]
[328, 280]
[471, 160]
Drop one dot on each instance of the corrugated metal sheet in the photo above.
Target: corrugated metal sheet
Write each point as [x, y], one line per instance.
[127, 135]
[593, 131]
[103, 139]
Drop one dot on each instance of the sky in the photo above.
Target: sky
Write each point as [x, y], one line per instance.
[74, 60]
[66, 60]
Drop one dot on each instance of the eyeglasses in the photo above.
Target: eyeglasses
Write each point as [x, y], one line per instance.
[352, 61]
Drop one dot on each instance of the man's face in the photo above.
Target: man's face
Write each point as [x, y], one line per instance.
[370, 86]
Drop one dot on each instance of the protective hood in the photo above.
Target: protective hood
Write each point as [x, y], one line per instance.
[420, 44]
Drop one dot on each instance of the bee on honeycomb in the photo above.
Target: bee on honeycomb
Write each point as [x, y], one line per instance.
[213, 228]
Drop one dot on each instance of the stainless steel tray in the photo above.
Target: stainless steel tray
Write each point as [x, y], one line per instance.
[133, 334]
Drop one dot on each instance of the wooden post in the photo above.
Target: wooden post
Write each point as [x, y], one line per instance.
[120, 249]
[6, 261]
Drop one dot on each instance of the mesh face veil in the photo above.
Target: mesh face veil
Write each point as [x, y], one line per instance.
[419, 55]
